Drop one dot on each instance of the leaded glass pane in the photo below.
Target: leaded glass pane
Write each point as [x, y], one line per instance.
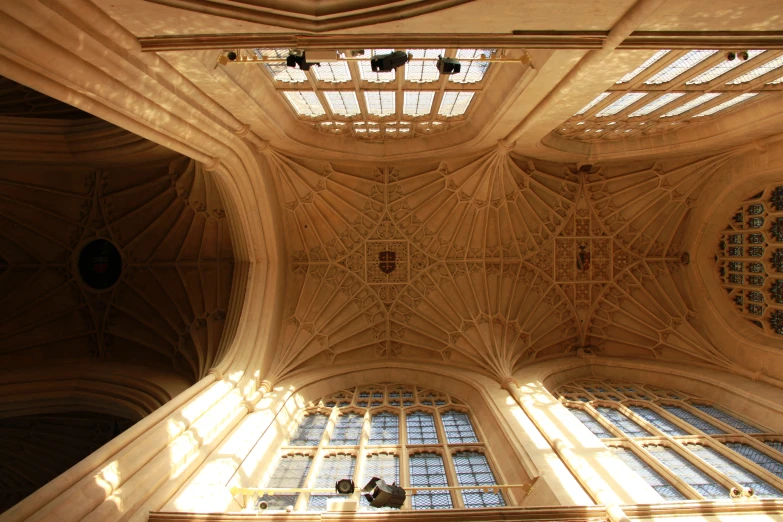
[332, 469]
[427, 470]
[623, 423]
[386, 467]
[342, 103]
[735, 472]
[762, 459]
[423, 71]
[693, 420]
[727, 419]
[421, 428]
[693, 476]
[592, 424]
[455, 103]
[685, 107]
[777, 446]
[290, 472]
[679, 66]
[458, 427]
[598, 99]
[384, 429]
[633, 74]
[380, 103]
[725, 105]
[333, 72]
[657, 421]
[310, 430]
[347, 430]
[720, 69]
[417, 103]
[621, 103]
[305, 103]
[471, 71]
[650, 476]
[473, 469]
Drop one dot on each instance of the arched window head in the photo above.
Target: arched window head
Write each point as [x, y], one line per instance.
[406, 435]
[749, 260]
[683, 446]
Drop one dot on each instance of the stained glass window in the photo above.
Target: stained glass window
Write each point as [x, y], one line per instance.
[290, 472]
[310, 430]
[652, 477]
[473, 469]
[427, 470]
[458, 427]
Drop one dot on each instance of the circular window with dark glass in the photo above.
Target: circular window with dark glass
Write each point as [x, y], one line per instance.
[100, 264]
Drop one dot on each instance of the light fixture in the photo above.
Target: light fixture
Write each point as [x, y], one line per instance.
[388, 62]
[383, 494]
[448, 65]
[743, 55]
[344, 486]
[298, 58]
[731, 56]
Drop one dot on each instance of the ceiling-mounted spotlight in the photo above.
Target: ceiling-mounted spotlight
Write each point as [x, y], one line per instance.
[298, 58]
[448, 65]
[226, 57]
[388, 62]
[383, 494]
[731, 56]
[344, 486]
[743, 55]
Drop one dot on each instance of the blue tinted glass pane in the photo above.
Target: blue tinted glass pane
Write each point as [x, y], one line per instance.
[728, 419]
[386, 467]
[332, 469]
[623, 423]
[652, 477]
[310, 430]
[427, 470]
[693, 420]
[754, 455]
[347, 430]
[735, 472]
[458, 427]
[473, 470]
[693, 476]
[421, 428]
[384, 429]
[657, 421]
[289, 473]
[592, 424]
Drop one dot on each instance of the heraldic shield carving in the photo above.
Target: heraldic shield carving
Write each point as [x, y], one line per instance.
[387, 261]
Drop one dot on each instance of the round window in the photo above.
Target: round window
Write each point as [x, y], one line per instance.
[100, 264]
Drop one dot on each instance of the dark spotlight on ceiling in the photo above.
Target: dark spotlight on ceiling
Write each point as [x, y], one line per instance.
[383, 494]
[344, 486]
[299, 59]
[388, 62]
[448, 65]
[731, 56]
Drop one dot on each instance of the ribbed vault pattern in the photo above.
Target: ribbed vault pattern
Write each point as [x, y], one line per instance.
[488, 262]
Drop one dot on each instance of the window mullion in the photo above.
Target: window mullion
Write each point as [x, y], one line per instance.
[664, 471]
[713, 472]
[361, 454]
[304, 498]
[451, 474]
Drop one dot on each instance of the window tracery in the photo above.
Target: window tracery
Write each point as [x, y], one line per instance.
[391, 431]
[749, 260]
[683, 446]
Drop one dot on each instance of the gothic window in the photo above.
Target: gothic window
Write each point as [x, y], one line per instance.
[403, 434]
[683, 446]
[749, 259]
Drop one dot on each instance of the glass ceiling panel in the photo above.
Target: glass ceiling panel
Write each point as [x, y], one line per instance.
[725, 105]
[365, 69]
[643, 67]
[679, 66]
[758, 71]
[656, 104]
[720, 69]
[455, 103]
[305, 103]
[423, 72]
[342, 103]
[593, 103]
[380, 103]
[472, 71]
[699, 100]
[621, 103]
[332, 72]
[418, 103]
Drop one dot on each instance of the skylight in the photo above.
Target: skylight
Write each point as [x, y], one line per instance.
[621, 103]
[656, 104]
[332, 72]
[421, 71]
[699, 100]
[643, 67]
[679, 66]
[455, 103]
[342, 103]
[758, 71]
[380, 103]
[593, 103]
[725, 105]
[471, 71]
[720, 69]
[305, 103]
[417, 103]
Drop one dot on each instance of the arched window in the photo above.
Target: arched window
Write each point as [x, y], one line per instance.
[404, 434]
[684, 447]
[749, 258]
